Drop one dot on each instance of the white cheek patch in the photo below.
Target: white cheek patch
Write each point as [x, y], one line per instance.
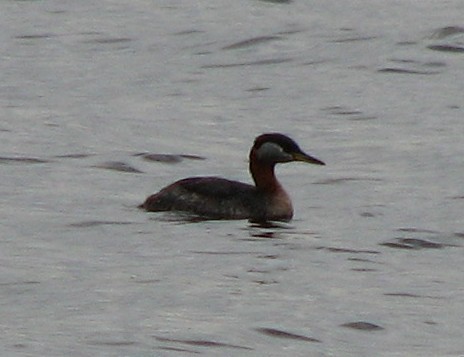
[272, 152]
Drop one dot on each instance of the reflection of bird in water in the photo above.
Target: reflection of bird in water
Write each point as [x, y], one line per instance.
[218, 198]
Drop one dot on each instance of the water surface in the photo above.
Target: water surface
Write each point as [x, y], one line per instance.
[105, 103]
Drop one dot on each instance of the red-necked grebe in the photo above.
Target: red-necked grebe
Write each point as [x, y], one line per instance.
[218, 198]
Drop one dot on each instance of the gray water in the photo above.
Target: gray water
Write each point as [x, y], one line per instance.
[371, 265]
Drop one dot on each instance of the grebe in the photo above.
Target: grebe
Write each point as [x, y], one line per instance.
[218, 198]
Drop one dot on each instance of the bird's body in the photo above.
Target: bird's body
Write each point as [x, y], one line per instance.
[219, 198]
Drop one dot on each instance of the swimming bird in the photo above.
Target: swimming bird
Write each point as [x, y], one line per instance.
[218, 198]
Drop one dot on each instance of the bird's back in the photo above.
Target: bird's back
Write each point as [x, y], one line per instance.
[211, 197]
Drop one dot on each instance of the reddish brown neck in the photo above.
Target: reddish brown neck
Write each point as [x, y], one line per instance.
[263, 175]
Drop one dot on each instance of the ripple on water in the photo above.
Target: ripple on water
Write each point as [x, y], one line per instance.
[416, 230]
[351, 114]
[34, 36]
[108, 40]
[413, 243]
[412, 66]
[20, 283]
[446, 48]
[114, 343]
[118, 166]
[341, 180]
[398, 70]
[449, 40]
[187, 32]
[88, 224]
[278, 1]
[176, 349]
[263, 62]
[284, 334]
[169, 158]
[21, 160]
[201, 343]
[251, 42]
[412, 296]
[207, 252]
[447, 31]
[347, 250]
[354, 39]
[74, 156]
[363, 325]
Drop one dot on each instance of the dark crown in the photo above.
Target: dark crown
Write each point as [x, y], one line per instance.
[287, 144]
